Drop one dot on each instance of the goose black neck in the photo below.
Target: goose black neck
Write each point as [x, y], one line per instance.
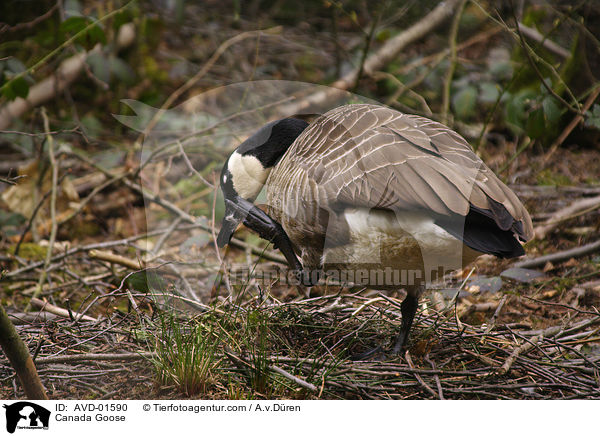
[271, 142]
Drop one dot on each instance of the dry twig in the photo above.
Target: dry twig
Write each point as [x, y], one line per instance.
[51, 308]
[559, 256]
[54, 226]
[574, 209]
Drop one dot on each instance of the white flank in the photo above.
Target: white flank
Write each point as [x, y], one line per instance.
[398, 240]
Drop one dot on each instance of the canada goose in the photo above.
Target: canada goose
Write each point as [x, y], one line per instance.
[367, 186]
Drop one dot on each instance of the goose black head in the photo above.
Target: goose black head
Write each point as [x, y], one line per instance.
[248, 167]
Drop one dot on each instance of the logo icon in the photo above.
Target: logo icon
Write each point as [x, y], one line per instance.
[26, 415]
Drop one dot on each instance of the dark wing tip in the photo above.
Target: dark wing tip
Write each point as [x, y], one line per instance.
[482, 233]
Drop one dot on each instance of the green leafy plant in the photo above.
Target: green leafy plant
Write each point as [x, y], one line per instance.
[593, 117]
[19, 86]
[86, 31]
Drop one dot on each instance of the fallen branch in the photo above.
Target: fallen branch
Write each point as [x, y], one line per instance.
[240, 363]
[492, 322]
[419, 378]
[127, 357]
[293, 378]
[116, 259]
[436, 377]
[376, 61]
[101, 245]
[479, 307]
[553, 191]
[560, 330]
[528, 345]
[559, 256]
[51, 308]
[584, 205]
[549, 333]
[67, 73]
[23, 318]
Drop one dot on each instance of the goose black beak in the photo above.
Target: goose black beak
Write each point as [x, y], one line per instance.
[236, 211]
[226, 233]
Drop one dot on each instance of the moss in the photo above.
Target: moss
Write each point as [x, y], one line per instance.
[84, 229]
[549, 178]
[30, 251]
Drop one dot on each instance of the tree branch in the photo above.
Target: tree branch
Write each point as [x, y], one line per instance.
[378, 59]
[18, 355]
[66, 74]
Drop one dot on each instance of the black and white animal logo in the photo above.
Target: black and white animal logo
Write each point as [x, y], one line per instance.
[26, 415]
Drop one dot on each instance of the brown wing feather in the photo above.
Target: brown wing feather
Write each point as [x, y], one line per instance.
[375, 157]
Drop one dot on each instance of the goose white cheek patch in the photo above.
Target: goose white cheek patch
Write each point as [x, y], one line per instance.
[248, 175]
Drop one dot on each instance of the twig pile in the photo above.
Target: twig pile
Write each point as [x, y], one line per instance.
[308, 347]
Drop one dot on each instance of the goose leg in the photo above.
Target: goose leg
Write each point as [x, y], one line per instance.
[408, 308]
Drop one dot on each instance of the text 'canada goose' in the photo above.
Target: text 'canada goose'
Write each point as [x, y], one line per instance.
[373, 196]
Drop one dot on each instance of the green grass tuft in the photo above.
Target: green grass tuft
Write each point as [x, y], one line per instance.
[186, 355]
